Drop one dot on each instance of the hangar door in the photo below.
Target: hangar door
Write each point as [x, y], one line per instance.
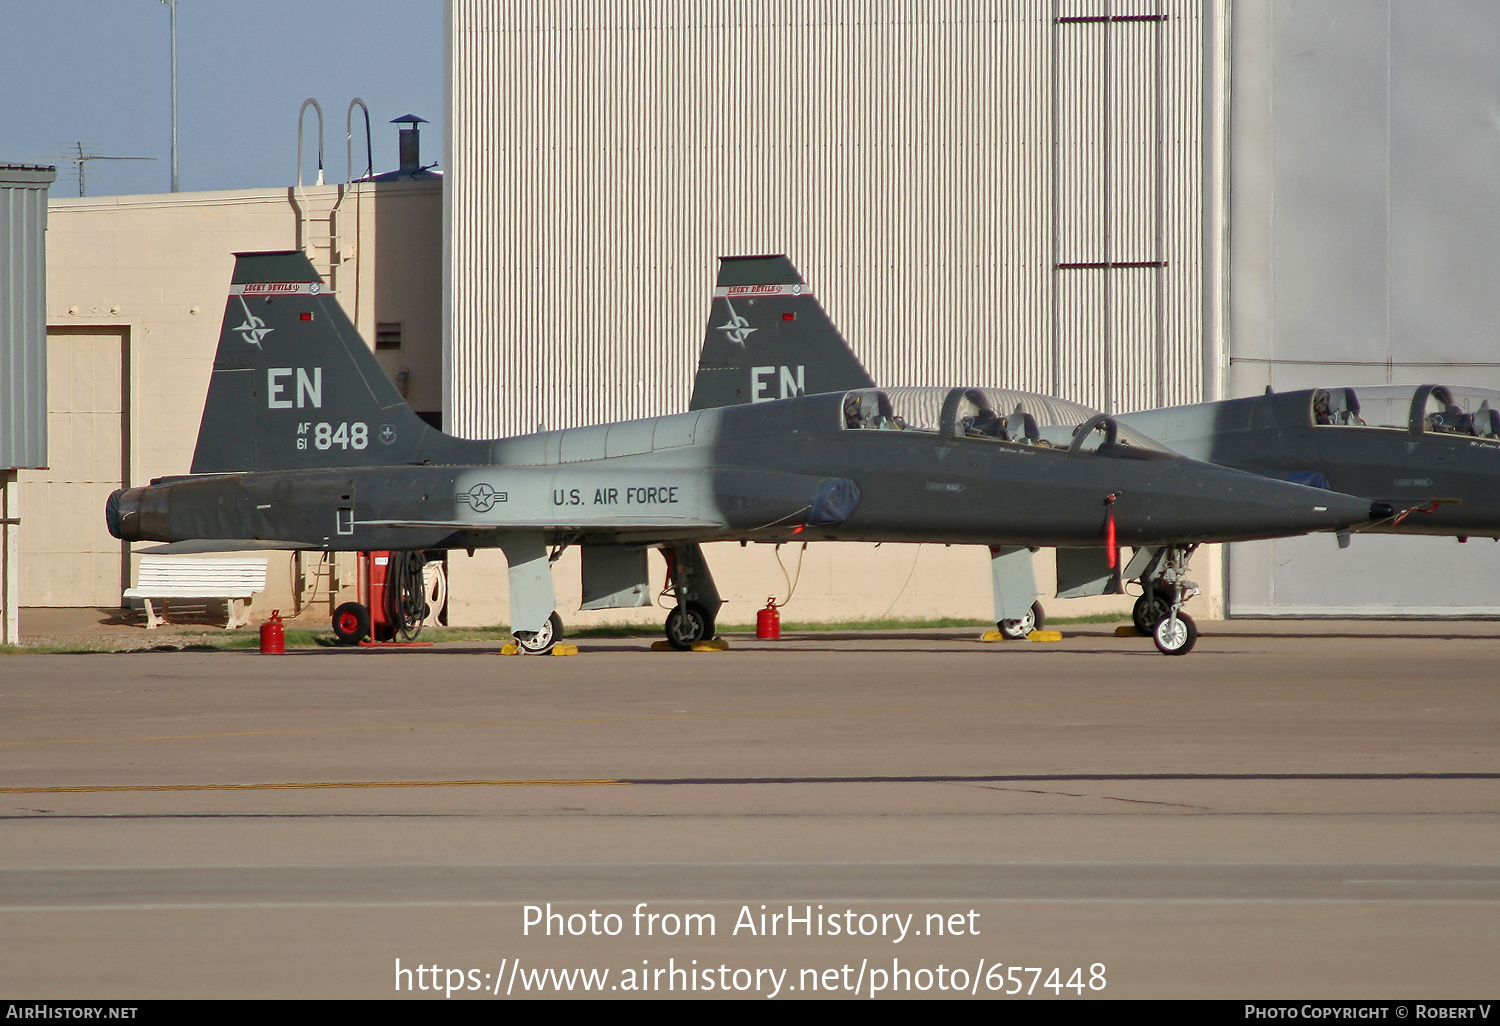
[1377, 575]
[68, 557]
[1362, 242]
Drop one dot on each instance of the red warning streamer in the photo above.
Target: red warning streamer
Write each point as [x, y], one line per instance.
[1111, 549]
[1431, 507]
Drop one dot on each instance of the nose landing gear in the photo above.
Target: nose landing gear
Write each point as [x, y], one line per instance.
[1164, 589]
[1176, 635]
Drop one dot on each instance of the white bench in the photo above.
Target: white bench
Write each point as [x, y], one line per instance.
[169, 577]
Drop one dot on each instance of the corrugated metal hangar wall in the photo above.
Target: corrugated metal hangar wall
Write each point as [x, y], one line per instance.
[1004, 193]
[1031, 194]
[23, 362]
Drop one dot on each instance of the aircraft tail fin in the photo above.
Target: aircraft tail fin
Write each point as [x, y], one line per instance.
[768, 338]
[295, 387]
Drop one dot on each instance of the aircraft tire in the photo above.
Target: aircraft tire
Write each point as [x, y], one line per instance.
[1178, 640]
[1017, 630]
[687, 624]
[1146, 618]
[541, 642]
[351, 623]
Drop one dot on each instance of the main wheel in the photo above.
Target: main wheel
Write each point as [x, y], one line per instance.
[1176, 635]
[351, 623]
[1017, 630]
[1148, 614]
[687, 624]
[541, 642]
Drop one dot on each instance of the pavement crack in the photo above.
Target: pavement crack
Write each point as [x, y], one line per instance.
[1028, 790]
[1105, 797]
[1148, 801]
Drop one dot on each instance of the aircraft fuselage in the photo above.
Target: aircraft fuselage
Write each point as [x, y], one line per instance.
[747, 473]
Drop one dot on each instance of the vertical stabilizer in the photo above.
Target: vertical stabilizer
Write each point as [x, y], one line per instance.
[294, 386]
[768, 338]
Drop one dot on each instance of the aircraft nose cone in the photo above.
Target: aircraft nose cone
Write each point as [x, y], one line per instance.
[1218, 504]
[1333, 510]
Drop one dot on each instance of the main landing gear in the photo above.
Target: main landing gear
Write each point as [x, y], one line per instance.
[1018, 630]
[687, 623]
[1164, 589]
[698, 602]
[541, 642]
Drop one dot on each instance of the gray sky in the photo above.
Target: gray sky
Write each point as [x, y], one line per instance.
[99, 71]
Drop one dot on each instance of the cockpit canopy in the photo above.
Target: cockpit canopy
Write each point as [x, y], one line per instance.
[1440, 409]
[994, 414]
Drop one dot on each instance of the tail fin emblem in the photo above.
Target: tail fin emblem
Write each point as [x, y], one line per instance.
[254, 329]
[737, 329]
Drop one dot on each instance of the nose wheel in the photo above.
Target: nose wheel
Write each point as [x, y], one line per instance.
[541, 642]
[1176, 635]
[1158, 612]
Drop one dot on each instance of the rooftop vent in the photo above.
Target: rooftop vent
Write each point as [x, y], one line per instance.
[411, 153]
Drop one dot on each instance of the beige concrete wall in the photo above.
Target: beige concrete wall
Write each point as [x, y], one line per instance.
[155, 270]
[69, 557]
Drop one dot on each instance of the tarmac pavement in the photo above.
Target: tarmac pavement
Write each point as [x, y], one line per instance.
[1302, 810]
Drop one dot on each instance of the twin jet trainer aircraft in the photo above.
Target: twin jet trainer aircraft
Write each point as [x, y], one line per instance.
[1431, 449]
[306, 444]
[1432, 452]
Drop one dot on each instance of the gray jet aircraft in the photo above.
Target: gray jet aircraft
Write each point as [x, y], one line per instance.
[1431, 452]
[306, 444]
[1430, 449]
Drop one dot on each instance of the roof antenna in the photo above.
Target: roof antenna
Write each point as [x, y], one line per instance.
[83, 153]
[172, 6]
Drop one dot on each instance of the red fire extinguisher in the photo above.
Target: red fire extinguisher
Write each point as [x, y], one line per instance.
[768, 620]
[273, 635]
